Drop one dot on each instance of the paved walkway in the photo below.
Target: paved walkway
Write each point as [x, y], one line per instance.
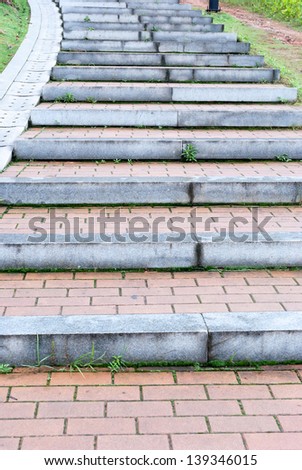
[22, 81]
[89, 293]
[242, 409]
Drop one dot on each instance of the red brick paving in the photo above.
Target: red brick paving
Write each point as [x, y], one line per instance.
[102, 293]
[152, 169]
[148, 410]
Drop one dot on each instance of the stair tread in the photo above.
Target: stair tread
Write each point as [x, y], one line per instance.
[151, 133]
[282, 220]
[207, 108]
[204, 86]
[223, 170]
[150, 292]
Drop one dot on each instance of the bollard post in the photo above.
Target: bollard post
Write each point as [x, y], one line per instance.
[213, 6]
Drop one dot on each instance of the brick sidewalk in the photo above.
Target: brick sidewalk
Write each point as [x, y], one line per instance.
[186, 410]
[150, 292]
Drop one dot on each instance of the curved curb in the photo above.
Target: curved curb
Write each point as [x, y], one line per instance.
[22, 81]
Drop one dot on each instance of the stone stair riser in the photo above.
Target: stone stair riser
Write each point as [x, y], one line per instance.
[125, 35]
[151, 93]
[127, 18]
[202, 117]
[73, 253]
[176, 75]
[161, 190]
[129, 11]
[194, 60]
[82, 26]
[164, 46]
[160, 149]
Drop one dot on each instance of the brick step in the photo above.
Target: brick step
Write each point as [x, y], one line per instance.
[150, 292]
[82, 26]
[165, 74]
[162, 92]
[162, 46]
[129, 18]
[151, 183]
[150, 237]
[192, 316]
[156, 59]
[156, 144]
[166, 115]
[156, 36]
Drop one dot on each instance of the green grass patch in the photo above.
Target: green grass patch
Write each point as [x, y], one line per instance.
[14, 20]
[285, 57]
[289, 11]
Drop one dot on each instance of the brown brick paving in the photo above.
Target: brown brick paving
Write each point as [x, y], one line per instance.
[148, 410]
[152, 169]
[102, 293]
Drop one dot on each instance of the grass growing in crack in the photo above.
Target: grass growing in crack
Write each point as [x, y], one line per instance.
[14, 20]
[87, 19]
[283, 158]
[90, 99]
[67, 98]
[117, 364]
[86, 361]
[189, 153]
[5, 369]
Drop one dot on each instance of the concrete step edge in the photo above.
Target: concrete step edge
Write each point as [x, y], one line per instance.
[258, 336]
[68, 114]
[41, 249]
[222, 148]
[151, 190]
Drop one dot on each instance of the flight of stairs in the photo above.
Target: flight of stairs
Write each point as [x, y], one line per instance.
[139, 84]
[158, 143]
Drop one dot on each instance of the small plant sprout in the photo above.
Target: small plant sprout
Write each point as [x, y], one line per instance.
[154, 28]
[189, 153]
[85, 361]
[283, 100]
[283, 158]
[87, 19]
[117, 364]
[67, 98]
[5, 369]
[90, 99]
[117, 160]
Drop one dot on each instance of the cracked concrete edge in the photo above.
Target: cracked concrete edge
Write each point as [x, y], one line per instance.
[45, 26]
[196, 337]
